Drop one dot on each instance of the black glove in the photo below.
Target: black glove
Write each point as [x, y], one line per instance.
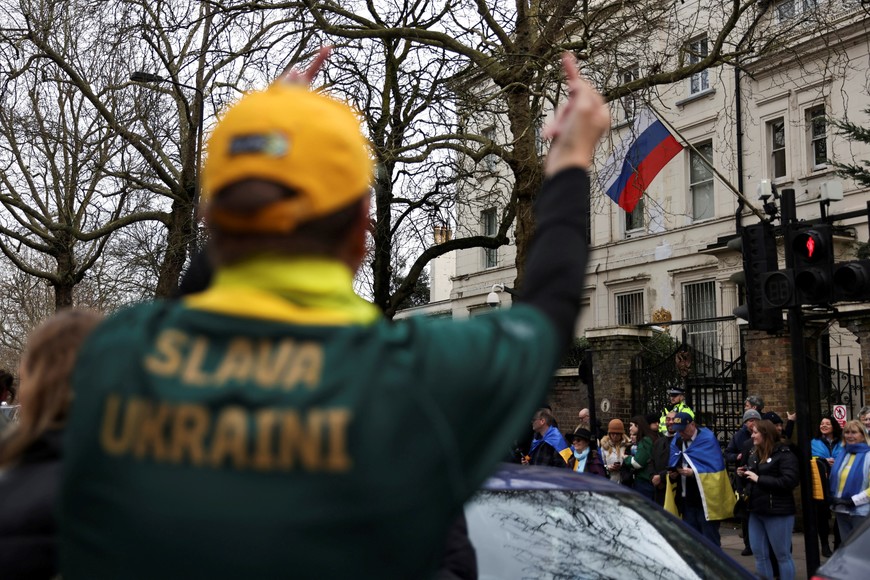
[843, 501]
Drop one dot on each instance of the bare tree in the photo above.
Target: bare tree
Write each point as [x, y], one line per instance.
[403, 91]
[204, 54]
[56, 184]
[506, 55]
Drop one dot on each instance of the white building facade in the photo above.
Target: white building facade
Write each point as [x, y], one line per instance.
[761, 120]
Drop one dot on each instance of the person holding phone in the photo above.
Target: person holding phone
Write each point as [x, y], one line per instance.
[771, 476]
[613, 448]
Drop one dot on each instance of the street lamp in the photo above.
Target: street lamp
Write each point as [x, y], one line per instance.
[153, 79]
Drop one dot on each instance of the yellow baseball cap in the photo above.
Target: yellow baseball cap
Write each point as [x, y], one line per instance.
[289, 135]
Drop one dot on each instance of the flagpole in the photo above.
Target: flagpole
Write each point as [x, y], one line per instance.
[708, 163]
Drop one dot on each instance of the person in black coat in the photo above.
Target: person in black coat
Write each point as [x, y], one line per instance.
[660, 457]
[30, 450]
[771, 476]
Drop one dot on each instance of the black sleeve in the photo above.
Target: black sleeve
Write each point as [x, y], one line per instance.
[788, 430]
[556, 263]
[733, 449]
[787, 478]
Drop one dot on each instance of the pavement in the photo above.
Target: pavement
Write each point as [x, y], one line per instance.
[732, 544]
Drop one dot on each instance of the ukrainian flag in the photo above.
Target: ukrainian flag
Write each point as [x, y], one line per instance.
[555, 439]
[704, 456]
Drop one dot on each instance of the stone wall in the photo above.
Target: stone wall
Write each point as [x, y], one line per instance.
[613, 350]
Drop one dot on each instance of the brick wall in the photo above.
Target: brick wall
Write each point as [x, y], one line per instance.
[567, 396]
[768, 370]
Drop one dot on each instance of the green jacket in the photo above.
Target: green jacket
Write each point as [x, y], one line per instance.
[235, 435]
[641, 461]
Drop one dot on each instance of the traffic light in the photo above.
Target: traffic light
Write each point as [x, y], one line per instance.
[813, 255]
[758, 245]
[777, 289]
[852, 281]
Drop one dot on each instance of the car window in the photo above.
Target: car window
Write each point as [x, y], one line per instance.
[580, 534]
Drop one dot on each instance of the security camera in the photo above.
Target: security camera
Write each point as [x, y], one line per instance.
[493, 300]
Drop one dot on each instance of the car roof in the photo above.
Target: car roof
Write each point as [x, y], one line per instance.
[515, 476]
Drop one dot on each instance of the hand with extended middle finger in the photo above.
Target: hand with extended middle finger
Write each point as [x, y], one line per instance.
[578, 124]
[295, 76]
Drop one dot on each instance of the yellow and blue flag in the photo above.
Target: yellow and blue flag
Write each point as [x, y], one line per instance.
[554, 437]
[705, 458]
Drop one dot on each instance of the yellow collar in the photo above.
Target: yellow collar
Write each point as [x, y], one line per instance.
[311, 291]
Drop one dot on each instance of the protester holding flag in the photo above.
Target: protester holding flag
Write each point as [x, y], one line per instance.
[548, 446]
[704, 493]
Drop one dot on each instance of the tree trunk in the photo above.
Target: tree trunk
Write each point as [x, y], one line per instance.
[180, 232]
[383, 242]
[528, 175]
[63, 295]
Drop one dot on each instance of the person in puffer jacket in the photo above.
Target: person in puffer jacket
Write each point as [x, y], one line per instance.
[772, 476]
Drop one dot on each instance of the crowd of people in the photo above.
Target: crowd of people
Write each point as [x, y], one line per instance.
[682, 466]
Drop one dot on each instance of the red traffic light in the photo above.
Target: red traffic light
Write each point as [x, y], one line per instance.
[809, 245]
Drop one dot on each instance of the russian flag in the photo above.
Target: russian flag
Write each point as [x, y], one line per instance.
[637, 160]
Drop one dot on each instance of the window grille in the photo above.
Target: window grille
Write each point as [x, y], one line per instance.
[629, 308]
[699, 302]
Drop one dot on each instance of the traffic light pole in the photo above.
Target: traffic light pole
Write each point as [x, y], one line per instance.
[799, 370]
[801, 389]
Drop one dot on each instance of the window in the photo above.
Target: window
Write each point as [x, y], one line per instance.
[634, 219]
[700, 81]
[629, 308]
[491, 159]
[776, 146]
[629, 104]
[789, 9]
[817, 130]
[701, 181]
[699, 303]
[489, 220]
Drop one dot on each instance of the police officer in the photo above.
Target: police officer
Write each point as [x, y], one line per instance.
[264, 426]
[677, 405]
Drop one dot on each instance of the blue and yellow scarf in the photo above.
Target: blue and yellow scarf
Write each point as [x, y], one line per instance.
[856, 471]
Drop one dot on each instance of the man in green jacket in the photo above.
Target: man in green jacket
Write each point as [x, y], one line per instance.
[262, 428]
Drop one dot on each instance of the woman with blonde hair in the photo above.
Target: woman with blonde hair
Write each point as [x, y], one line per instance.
[30, 450]
[850, 479]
